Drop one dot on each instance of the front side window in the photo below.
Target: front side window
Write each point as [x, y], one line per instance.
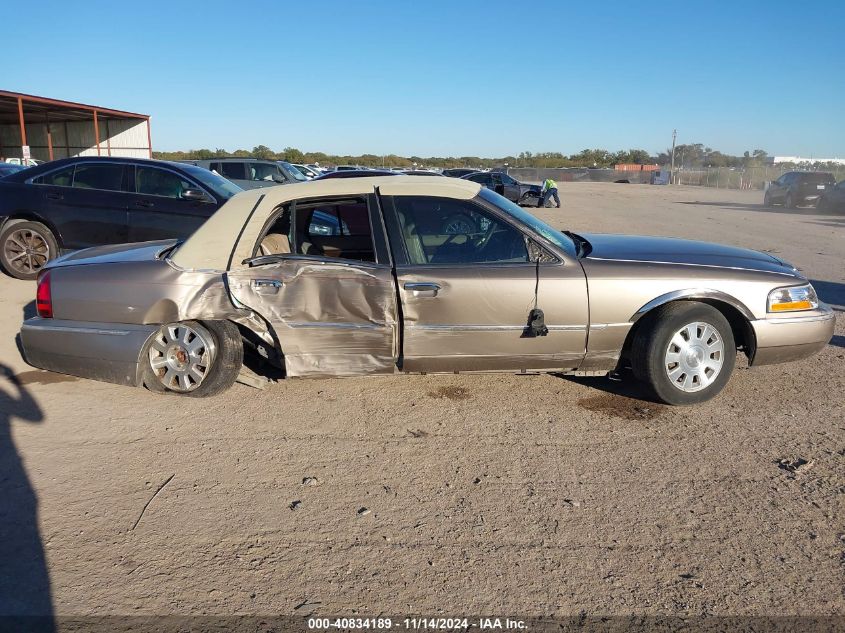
[221, 187]
[449, 231]
[152, 181]
[108, 177]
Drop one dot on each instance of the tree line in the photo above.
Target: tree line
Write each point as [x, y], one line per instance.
[694, 155]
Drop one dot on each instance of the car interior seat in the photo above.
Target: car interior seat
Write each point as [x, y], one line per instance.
[416, 252]
[274, 244]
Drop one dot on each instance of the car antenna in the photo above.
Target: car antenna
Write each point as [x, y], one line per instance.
[536, 319]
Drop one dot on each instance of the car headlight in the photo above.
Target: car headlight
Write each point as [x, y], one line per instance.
[792, 298]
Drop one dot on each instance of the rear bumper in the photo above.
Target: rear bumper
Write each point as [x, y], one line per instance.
[785, 339]
[100, 351]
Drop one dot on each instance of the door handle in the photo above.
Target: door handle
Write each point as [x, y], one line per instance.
[146, 204]
[422, 288]
[54, 196]
[266, 286]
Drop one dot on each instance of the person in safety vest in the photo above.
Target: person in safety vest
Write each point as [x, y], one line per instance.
[549, 191]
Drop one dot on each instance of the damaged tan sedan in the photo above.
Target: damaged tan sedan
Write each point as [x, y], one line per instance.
[393, 275]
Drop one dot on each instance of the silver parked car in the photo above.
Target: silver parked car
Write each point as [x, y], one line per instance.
[359, 276]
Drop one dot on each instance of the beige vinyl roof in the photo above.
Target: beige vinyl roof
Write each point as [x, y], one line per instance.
[231, 233]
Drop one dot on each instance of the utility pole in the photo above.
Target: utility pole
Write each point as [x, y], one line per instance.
[672, 168]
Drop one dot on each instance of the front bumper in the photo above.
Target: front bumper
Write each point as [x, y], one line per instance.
[786, 338]
[100, 351]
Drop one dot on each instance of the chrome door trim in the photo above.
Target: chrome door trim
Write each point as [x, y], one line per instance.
[470, 327]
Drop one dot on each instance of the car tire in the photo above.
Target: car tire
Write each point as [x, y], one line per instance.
[217, 358]
[767, 200]
[18, 237]
[684, 352]
[529, 200]
[823, 204]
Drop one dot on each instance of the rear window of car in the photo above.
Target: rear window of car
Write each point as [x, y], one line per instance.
[820, 178]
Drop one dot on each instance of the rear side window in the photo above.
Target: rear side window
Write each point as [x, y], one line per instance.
[233, 170]
[60, 178]
[262, 171]
[108, 177]
[350, 219]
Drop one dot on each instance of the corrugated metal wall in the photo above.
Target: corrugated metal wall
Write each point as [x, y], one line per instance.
[118, 137]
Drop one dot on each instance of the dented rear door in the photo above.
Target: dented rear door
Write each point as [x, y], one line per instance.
[331, 317]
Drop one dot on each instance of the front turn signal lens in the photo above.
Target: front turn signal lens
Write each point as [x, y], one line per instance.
[792, 299]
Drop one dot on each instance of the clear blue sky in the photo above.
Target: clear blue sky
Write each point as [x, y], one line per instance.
[469, 77]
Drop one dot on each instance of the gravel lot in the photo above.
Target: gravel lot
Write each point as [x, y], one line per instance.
[523, 495]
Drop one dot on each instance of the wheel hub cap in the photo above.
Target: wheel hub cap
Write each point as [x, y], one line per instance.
[694, 357]
[180, 356]
[26, 251]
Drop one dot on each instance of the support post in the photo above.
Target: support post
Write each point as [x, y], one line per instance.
[97, 132]
[21, 122]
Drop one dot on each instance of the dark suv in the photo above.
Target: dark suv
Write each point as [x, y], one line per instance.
[797, 188]
[75, 203]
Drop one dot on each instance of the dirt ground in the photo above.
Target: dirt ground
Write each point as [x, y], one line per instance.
[457, 494]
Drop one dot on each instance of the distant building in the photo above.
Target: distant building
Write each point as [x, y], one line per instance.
[776, 160]
[39, 128]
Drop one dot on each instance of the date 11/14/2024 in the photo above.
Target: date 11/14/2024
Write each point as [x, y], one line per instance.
[416, 623]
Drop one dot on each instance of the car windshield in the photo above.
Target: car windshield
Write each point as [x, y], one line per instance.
[219, 185]
[291, 171]
[538, 226]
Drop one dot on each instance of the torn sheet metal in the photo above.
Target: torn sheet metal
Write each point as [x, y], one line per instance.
[331, 319]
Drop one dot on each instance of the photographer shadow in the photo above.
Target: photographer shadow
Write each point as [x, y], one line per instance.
[25, 595]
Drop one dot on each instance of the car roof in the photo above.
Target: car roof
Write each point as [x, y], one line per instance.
[43, 168]
[355, 173]
[228, 237]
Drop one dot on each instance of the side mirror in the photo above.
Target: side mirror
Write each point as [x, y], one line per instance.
[279, 178]
[197, 195]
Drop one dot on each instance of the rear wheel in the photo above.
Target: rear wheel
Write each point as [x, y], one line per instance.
[193, 359]
[530, 199]
[685, 352]
[25, 248]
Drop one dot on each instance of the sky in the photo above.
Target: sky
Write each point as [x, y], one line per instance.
[440, 78]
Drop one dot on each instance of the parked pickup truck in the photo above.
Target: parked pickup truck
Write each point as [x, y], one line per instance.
[377, 286]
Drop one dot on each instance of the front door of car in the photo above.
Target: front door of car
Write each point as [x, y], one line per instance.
[157, 208]
[466, 297]
[93, 209]
[778, 188]
[510, 187]
[332, 316]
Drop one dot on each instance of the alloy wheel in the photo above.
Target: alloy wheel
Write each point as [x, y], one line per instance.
[26, 251]
[694, 357]
[181, 356]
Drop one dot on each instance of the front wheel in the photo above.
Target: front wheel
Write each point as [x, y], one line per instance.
[685, 352]
[192, 358]
[25, 248]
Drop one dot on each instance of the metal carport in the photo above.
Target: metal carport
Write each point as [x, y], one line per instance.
[51, 129]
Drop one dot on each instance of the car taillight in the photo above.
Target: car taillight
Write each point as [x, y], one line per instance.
[43, 296]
